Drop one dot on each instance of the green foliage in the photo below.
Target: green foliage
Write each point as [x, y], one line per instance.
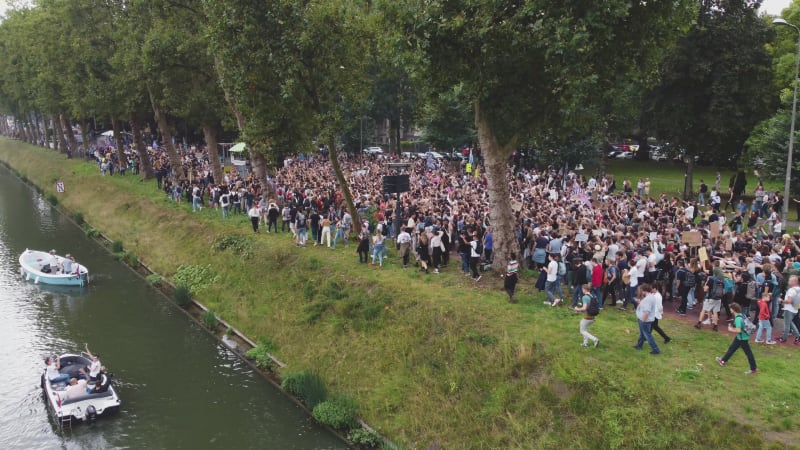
[182, 295]
[338, 412]
[131, 260]
[154, 279]
[197, 278]
[716, 83]
[210, 319]
[77, 217]
[52, 199]
[333, 290]
[364, 438]
[116, 247]
[92, 232]
[307, 386]
[260, 356]
[239, 245]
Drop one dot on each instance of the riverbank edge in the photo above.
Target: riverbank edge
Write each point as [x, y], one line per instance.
[444, 328]
[195, 311]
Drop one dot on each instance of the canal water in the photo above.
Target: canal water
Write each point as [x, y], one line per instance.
[180, 389]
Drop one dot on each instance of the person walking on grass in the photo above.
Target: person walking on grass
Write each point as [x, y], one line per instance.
[742, 339]
[510, 278]
[791, 302]
[254, 215]
[645, 315]
[590, 309]
[711, 305]
[551, 271]
[659, 314]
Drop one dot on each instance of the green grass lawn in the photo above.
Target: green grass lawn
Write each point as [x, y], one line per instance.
[667, 176]
[436, 360]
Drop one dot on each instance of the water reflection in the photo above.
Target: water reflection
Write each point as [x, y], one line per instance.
[179, 387]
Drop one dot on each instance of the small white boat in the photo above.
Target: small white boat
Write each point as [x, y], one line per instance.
[82, 407]
[49, 268]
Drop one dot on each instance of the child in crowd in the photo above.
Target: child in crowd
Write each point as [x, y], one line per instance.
[590, 308]
[763, 319]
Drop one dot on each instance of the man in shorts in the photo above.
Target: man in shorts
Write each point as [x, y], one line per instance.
[711, 305]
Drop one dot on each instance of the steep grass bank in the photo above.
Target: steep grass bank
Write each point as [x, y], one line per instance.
[434, 360]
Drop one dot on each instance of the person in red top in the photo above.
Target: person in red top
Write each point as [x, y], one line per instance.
[763, 319]
[597, 279]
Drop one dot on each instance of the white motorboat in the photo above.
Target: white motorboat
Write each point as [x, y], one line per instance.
[49, 268]
[84, 406]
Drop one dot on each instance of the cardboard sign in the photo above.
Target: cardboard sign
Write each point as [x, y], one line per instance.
[581, 237]
[714, 230]
[692, 238]
[469, 168]
[703, 254]
[516, 205]
[653, 235]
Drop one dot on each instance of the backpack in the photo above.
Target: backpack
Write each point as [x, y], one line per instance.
[748, 327]
[690, 281]
[562, 269]
[479, 247]
[716, 289]
[593, 309]
[751, 292]
[728, 285]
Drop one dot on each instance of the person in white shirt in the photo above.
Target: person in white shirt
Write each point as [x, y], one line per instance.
[790, 303]
[404, 241]
[52, 371]
[94, 366]
[551, 280]
[630, 295]
[76, 388]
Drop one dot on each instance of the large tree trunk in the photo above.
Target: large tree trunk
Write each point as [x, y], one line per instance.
[210, 134]
[348, 197]
[257, 159]
[495, 158]
[37, 130]
[145, 168]
[58, 129]
[66, 123]
[86, 132]
[123, 161]
[687, 179]
[166, 134]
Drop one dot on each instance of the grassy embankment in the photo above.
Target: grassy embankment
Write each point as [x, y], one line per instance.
[435, 360]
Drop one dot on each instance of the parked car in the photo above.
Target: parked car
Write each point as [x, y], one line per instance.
[625, 155]
[373, 151]
[436, 155]
[658, 155]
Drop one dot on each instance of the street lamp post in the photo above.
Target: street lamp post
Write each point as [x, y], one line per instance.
[786, 190]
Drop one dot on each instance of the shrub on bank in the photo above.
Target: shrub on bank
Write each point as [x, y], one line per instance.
[210, 319]
[154, 279]
[182, 295]
[365, 438]
[116, 247]
[307, 386]
[338, 412]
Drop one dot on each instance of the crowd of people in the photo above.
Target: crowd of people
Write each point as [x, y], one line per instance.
[624, 246]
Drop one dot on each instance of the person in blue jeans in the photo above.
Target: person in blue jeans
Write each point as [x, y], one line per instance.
[52, 372]
[646, 314]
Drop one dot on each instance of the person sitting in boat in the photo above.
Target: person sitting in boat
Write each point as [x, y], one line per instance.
[76, 388]
[93, 368]
[52, 372]
[102, 383]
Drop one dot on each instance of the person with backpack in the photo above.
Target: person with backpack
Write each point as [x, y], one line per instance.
[659, 314]
[685, 283]
[590, 308]
[611, 282]
[713, 302]
[790, 304]
[742, 326]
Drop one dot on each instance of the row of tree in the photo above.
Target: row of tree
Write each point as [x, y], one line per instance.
[554, 74]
